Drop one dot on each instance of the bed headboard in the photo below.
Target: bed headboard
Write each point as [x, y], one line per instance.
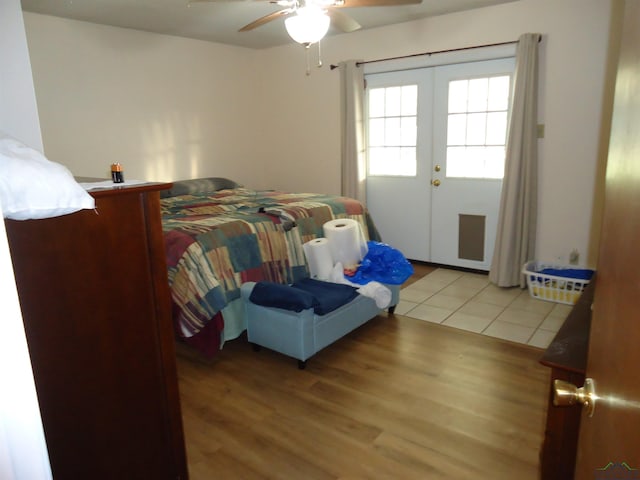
[199, 185]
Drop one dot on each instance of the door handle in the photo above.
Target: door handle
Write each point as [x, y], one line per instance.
[435, 183]
[566, 394]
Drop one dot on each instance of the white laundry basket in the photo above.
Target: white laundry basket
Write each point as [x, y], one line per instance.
[564, 285]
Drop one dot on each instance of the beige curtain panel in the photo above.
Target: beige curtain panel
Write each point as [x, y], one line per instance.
[516, 235]
[353, 131]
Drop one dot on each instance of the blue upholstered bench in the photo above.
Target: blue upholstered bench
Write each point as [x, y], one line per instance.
[302, 334]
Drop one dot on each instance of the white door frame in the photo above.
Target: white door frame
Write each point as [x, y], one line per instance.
[394, 200]
[455, 196]
[389, 210]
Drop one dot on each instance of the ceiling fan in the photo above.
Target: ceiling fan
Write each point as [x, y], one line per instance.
[307, 21]
[332, 8]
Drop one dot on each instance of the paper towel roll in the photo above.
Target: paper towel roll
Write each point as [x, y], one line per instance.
[319, 258]
[346, 241]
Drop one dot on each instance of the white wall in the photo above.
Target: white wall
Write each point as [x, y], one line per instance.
[171, 108]
[18, 112]
[165, 107]
[573, 56]
[23, 452]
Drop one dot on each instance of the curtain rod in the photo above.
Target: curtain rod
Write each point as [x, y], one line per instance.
[435, 52]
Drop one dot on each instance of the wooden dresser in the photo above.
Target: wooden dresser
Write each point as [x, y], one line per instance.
[96, 307]
[566, 356]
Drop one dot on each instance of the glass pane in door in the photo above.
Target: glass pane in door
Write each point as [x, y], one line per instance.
[477, 127]
[392, 131]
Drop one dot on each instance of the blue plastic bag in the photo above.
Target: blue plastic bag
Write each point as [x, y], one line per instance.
[576, 273]
[383, 264]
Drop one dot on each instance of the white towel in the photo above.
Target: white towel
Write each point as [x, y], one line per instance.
[377, 291]
[373, 289]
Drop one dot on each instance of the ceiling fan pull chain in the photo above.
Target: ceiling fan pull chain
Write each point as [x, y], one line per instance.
[306, 52]
[319, 55]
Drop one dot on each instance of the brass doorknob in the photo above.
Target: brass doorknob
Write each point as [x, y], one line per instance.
[437, 168]
[566, 394]
[435, 183]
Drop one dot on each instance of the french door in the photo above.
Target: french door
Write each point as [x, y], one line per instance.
[436, 146]
[400, 129]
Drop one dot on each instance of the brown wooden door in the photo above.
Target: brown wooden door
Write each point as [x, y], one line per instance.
[609, 442]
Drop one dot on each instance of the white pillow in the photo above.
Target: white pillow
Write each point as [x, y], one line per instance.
[32, 187]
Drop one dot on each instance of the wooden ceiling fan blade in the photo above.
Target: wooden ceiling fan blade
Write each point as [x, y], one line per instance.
[196, 2]
[343, 21]
[374, 3]
[266, 19]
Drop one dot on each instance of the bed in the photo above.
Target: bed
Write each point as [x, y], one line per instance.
[219, 235]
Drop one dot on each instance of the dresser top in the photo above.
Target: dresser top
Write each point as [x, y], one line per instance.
[105, 187]
[569, 348]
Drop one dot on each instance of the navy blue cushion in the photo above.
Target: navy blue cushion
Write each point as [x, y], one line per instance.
[330, 296]
[323, 297]
[269, 294]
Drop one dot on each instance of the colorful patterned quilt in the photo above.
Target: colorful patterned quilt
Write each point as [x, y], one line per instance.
[217, 241]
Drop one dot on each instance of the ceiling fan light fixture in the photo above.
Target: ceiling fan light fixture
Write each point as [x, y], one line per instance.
[308, 26]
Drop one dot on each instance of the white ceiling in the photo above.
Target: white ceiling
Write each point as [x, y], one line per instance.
[219, 20]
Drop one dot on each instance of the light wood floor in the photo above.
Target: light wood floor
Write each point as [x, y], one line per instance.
[398, 398]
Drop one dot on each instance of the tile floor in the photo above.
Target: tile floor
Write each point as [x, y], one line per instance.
[470, 302]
